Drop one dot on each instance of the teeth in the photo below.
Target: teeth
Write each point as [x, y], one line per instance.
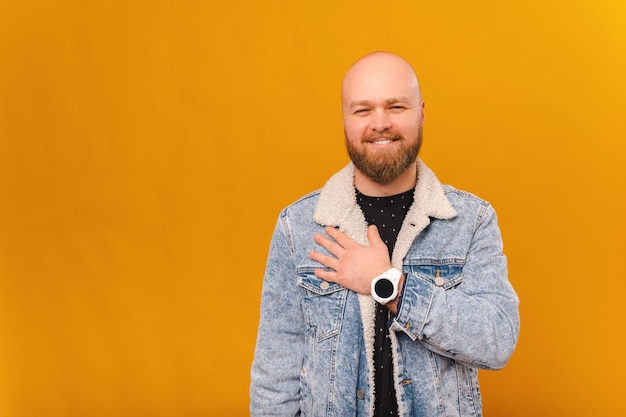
[382, 142]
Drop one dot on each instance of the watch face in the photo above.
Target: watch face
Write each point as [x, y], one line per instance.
[383, 288]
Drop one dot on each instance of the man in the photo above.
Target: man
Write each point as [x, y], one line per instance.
[385, 290]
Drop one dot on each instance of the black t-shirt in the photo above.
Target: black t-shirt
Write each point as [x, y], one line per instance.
[387, 213]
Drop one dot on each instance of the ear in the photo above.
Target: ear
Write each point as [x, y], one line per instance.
[423, 110]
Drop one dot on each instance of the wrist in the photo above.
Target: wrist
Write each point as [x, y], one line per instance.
[393, 305]
[384, 288]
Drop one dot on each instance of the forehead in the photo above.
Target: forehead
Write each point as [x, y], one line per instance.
[380, 79]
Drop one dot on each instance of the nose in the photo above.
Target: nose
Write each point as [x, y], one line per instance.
[380, 121]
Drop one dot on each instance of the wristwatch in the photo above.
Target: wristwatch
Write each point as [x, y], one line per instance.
[385, 286]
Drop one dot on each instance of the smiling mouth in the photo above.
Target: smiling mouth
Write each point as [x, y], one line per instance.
[382, 141]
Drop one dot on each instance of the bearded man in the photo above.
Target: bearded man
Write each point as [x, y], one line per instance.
[385, 291]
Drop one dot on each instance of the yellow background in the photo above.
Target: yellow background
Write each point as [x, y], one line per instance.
[146, 148]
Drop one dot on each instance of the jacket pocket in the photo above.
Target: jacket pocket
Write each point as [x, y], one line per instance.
[441, 273]
[322, 303]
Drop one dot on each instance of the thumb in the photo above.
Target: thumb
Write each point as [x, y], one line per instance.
[373, 236]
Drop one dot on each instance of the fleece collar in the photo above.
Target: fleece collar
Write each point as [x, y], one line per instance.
[338, 207]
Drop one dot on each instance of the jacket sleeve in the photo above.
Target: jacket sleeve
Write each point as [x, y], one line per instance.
[475, 322]
[275, 373]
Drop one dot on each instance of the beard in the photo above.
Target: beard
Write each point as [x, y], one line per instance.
[384, 167]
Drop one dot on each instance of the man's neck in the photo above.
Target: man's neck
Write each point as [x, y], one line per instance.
[403, 183]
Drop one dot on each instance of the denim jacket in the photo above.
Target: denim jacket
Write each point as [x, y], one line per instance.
[457, 313]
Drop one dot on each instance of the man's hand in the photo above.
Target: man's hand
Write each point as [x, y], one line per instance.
[354, 266]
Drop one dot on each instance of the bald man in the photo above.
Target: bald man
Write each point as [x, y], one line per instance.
[384, 291]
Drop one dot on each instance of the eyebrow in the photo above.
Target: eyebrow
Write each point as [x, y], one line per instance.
[389, 101]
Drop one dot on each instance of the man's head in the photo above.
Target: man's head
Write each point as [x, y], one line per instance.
[383, 115]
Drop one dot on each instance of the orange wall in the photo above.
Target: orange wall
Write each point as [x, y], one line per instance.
[146, 148]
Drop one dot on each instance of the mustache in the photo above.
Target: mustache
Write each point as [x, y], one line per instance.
[383, 135]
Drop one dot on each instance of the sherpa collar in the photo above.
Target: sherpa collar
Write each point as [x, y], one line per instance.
[337, 206]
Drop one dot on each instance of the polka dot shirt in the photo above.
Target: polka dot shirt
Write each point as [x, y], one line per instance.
[387, 213]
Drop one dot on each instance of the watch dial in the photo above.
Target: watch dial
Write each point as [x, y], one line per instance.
[383, 288]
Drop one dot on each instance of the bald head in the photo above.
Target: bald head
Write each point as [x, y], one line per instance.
[379, 75]
[383, 114]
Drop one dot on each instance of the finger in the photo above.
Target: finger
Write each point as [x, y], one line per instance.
[325, 275]
[330, 245]
[341, 238]
[373, 236]
[327, 261]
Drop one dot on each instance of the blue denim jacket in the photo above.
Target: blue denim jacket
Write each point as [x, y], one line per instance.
[458, 311]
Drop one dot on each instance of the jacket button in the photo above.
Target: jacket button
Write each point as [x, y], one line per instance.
[324, 285]
[407, 325]
[439, 281]
[360, 394]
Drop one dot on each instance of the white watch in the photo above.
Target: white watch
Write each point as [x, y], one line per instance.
[385, 286]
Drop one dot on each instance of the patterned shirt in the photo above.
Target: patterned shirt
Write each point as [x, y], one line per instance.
[387, 213]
